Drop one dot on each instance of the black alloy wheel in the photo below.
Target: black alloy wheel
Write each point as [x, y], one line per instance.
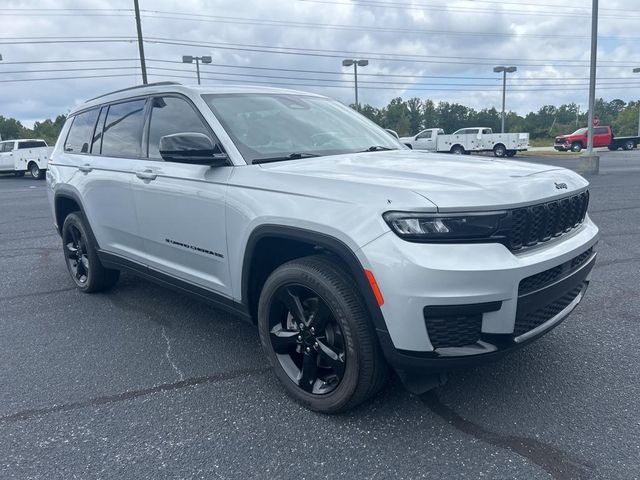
[307, 340]
[76, 255]
[81, 257]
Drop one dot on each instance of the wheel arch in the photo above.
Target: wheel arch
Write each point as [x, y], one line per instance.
[307, 242]
[456, 145]
[66, 201]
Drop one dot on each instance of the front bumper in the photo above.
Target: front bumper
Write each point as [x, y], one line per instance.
[481, 284]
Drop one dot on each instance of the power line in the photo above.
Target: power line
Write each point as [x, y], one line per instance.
[167, 15]
[404, 6]
[340, 53]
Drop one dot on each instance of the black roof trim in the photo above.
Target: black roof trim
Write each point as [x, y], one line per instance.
[133, 88]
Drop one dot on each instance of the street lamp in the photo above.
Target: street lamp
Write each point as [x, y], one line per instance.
[504, 71]
[190, 59]
[356, 64]
[635, 70]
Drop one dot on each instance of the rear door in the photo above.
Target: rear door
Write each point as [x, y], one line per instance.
[181, 207]
[104, 144]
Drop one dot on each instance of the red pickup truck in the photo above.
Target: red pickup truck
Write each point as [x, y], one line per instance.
[602, 137]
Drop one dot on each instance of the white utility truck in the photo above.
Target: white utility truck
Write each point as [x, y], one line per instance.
[467, 140]
[25, 155]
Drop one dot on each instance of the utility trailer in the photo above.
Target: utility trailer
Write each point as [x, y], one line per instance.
[467, 140]
[25, 155]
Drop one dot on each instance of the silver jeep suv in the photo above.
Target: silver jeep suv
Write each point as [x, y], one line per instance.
[349, 251]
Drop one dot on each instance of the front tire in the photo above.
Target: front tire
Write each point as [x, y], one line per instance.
[81, 257]
[576, 147]
[318, 337]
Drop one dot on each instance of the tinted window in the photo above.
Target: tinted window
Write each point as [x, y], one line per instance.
[486, 130]
[80, 133]
[31, 144]
[601, 130]
[172, 115]
[424, 135]
[96, 141]
[122, 131]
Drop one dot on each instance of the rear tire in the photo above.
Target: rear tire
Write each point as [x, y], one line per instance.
[576, 147]
[457, 150]
[339, 364]
[629, 145]
[81, 257]
[500, 150]
[36, 172]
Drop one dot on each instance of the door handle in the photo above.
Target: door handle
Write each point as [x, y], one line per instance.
[146, 175]
[86, 168]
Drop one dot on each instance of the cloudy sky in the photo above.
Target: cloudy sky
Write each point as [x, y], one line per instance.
[443, 50]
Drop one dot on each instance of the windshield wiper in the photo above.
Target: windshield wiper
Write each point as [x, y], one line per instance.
[291, 156]
[378, 148]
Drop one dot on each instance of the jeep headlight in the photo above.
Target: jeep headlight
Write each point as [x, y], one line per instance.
[428, 227]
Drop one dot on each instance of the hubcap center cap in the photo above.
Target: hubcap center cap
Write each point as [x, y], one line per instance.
[308, 338]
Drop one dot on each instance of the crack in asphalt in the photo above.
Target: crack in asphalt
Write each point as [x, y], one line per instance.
[130, 394]
[559, 464]
[167, 354]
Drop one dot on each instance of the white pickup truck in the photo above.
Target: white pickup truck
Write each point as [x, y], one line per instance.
[25, 155]
[467, 140]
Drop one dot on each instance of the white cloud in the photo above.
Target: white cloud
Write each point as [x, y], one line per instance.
[543, 47]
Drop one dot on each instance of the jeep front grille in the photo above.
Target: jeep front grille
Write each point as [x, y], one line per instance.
[540, 223]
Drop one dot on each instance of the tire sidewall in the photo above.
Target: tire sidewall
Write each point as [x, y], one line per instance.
[576, 147]
[298, 274]
[75, 220]
[499, 151]
[36, 169]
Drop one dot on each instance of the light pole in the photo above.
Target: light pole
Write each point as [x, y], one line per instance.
[592, 74]
[356, 64]
[504, 71]
[190, 59]
[635, 70]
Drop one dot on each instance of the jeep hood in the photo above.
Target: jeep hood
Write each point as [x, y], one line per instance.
[451, 182]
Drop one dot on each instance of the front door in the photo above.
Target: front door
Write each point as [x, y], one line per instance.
[181, 207]
[6, 156]
[425, 141]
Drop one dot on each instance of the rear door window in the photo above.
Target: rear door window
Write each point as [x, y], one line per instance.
[601, 130]
[79, 137]
[122, 132]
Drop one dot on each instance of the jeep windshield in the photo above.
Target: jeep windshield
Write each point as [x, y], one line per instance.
[278, 127]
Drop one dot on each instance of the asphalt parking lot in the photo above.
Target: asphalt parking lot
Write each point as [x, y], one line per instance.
[143, 382]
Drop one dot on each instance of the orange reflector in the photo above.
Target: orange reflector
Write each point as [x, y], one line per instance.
[374, 287]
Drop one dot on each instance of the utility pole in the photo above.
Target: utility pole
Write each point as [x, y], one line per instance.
[592, 76]
[635, 70]
[143, 64]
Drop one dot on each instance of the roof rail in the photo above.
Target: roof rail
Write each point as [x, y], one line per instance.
[133, 88]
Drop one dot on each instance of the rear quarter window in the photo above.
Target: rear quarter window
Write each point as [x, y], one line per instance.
[31, 144]
[81, 131]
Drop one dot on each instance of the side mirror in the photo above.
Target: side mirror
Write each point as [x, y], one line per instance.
[393, 133]
[191, 147]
